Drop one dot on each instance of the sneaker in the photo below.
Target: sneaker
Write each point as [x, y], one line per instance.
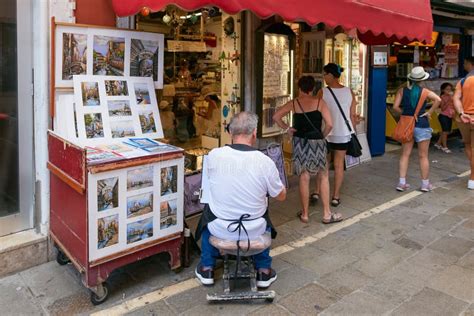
[205, 276]
[470, 184]
[402, 187]
[426, 188]
[265, 280]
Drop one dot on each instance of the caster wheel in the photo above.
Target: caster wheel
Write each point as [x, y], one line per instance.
[61, 258]
[269, 300]
[97, 300]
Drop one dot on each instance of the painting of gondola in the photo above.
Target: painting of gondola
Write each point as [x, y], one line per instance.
[93, 125]
[74, 55]
[144, 58]
[140, 230]
[90, 93]
[168, 214]
[118, 108]
[169, 180]
[142, 94]
[122, 128]
[147, 121]
[107, 193]
[109, 55]
[139, 178]
[107, 231]
[116, 88]
[139, 205]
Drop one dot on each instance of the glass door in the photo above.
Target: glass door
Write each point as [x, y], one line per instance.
[16, 117]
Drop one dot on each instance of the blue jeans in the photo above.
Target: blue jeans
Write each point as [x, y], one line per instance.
[209, 253]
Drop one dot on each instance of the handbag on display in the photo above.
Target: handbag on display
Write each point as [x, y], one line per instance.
[354, 148]
[405, 128]
[315, 133]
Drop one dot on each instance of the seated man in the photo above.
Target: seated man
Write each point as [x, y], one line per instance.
[240, 178]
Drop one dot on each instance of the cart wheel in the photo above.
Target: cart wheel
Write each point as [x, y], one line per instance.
[97, 300]
[269, 300]
[61, 258]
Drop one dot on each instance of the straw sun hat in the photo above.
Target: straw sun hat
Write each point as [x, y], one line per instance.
[418, 74]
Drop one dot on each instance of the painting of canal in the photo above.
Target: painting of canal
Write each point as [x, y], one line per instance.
[139, 205]
[144, 58]
[140, 230]
[141, 93]
[109, 55]
[168, 214]
[147, 121]
[139, 178]
[116, 88]
[93, 125]
[90, 94]
[107, 193]
[74, 55]
[107, 231]
[122, 128]
[169, 180]
[118, 108]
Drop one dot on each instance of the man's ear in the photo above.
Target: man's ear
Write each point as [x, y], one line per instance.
[254, 134]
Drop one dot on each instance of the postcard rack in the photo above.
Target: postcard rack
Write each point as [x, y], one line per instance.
[111, 204]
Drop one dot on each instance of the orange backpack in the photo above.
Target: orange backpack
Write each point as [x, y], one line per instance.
[403, 133]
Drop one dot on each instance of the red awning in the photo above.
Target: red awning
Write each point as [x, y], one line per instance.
[403, 20]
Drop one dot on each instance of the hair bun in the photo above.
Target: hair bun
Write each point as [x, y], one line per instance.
[341, 69]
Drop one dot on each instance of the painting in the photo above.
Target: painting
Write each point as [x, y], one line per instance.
[93, 125]
[122, 129]
[109, 55]
[107, 231]
[116, 88]
[139, 178]
[169, 180]
[140, 230]
[168, 214]
[139, 205]
[275, 152]
[147, 121]
[90, 93]
[107, 193]
[119, 108]
[144, 58]
[74, 55]
[142, 94]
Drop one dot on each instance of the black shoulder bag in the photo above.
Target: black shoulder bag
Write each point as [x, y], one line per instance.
[354, 149]
[315, 133]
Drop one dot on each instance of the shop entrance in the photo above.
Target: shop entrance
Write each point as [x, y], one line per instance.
[16, 175]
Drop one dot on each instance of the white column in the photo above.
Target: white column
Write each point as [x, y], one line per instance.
[41, 62]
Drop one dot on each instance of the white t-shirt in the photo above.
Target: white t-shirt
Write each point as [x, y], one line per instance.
[339, 134]
[238, 183]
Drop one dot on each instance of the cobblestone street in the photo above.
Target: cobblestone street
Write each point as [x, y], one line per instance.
[397, 253]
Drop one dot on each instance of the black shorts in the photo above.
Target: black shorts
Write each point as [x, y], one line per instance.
[338, 146]
[446, 123]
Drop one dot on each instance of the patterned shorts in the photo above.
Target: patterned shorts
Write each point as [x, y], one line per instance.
[309, 155]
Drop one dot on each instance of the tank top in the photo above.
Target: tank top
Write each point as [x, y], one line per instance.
[301, 124]
[339, 134]
[407, 109]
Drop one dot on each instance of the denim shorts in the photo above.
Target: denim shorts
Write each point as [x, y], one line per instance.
[422, 134]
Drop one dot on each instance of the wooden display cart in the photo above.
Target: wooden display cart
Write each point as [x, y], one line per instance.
[76, 220]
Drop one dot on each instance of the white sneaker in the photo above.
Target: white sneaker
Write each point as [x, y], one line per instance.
[470, 184]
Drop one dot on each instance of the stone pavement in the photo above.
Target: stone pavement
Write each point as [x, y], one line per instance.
[399, 253]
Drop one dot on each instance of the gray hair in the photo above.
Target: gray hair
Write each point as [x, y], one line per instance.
[243, 123]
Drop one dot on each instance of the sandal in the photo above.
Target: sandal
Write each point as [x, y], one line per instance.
[335, 202]
[314, 197]
[446, 150]
[335, 218]
[303, 220]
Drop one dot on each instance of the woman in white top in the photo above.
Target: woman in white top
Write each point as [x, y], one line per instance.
[340, 135]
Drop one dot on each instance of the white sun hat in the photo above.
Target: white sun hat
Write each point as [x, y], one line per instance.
[418, 74]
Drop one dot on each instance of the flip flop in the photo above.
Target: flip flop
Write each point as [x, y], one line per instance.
[333, 219]
[335, 202]
[304, 221]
